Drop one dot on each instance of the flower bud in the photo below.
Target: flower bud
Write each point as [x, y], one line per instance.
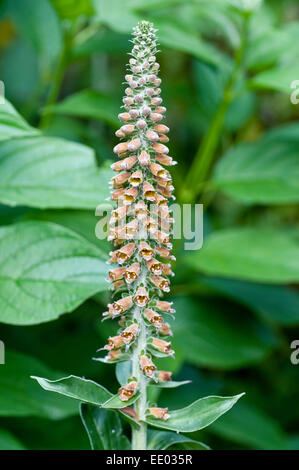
[159, 413]
[147, 366]
[161, 128]
[144, 158]
[134, 145]
[141, 124]
[128, 128]
[152, 136]
[164, 376]
[156, 117]
[124, 116]
[160, 148]
[121, 148]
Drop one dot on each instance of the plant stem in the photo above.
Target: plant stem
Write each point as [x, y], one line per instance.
[139, 435]
[55, 87]
[203, 160]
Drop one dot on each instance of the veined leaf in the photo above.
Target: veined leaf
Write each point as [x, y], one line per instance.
[9, 442]
[12, 124]
[20, 396]
[196, 416]
[78, 388]
[46, 270]
[252, 254]
[161, 440]
[48, 172]
[104, 428]
[262, 172]
[89, 104]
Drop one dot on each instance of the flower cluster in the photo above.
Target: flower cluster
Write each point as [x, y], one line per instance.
[140, 226]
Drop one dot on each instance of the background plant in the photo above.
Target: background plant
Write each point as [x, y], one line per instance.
[228, 82]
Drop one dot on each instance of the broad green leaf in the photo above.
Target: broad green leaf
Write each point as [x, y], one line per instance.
[12, 124]
[46, 270]
[115, 14]
[262, 172]
[203, 333]
[104, 428]
[20, 396]
[276, 303]
[48, 172]
[72, 9]
[116, 403]
[196, 416]
[251, 254]
[278, 78]
[161, 440]
[78, 388]
[38, 22]
[173, 36]
[252, 427]
[9, 442]
[89, 104]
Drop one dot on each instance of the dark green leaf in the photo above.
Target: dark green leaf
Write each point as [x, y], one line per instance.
[9, 442]
[104, 428]
[161, 440]
[116, 403]
[170, 384]
[123, 370]
[46, 270]
[204, 335]
[20, 396]
[252, 254]
[196, 416]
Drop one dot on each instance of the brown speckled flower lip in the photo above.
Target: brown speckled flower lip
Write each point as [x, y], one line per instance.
[140, 227]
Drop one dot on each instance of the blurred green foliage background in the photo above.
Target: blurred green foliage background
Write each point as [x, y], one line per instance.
[227, 72]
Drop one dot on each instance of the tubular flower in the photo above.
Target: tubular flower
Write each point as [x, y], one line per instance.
[140, 227]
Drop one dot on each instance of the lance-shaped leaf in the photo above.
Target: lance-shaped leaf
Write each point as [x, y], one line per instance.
[196, 416]
[12, 124]
[47, 172]
[116, 403]
[170, 384]
[104, 428]
[161, 440]
[45, 270]
[78, 388]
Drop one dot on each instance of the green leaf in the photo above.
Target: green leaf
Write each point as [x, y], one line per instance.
[104, 40]
[175, 37]
[89, 104]
[115, 14]
[104, 428]
[12, 124]
[20, 396]
[276, 303]
[48, 172]
[262, 172]
[252, 427]
[78, 388]
[123, 370]
[46, 270]
[38, 22]
[196, 416]
[251, 254]
[9, 442]
[170, 384]
[72, 9]
[116, 403]
[203, 333]
[278, 78]
[161, 440]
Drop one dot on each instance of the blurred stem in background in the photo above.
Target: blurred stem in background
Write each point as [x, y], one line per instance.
[201, 166]
[58, 75]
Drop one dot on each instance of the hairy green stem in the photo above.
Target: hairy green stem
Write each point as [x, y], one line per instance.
[203, 160]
